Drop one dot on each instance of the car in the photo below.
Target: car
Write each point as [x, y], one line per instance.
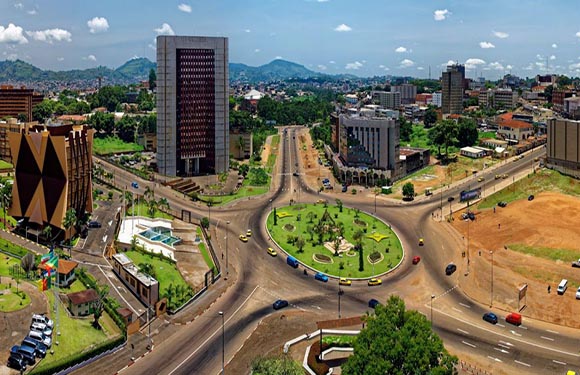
[329, 187]
[578, 293]
[505, 175]
[490, 317]
[576, 263]
[344, 188]
[345, 281]
[17, 362]
[471, 215]
[41, 327]
[26, 354]
[536, 159]
[321, 201]
[94, 224]
[531, 197]
[373, 303]
[570, 372]
[421, 242]
[450, 269]
[502, 204]
[249, 233]
[416, 259]
[280, 304]
[272, 252]
[295, 174]
[321, 277]
[497, 176]
[39, 349]
[134, 185]
[479, 179]
[374, 281]
[40, 318]
[243, 238]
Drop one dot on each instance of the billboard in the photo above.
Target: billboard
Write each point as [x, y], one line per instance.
[467, 195]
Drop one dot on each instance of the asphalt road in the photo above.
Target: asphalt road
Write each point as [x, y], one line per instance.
[259, 279]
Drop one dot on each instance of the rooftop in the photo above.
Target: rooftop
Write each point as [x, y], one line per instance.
[84, 296]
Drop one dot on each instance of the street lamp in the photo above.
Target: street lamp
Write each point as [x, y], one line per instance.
[491, 290]
[432, 297]
[227, 268]
[340, 292]
[221, 313]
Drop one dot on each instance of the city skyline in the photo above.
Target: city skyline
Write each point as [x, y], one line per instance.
[382, 38]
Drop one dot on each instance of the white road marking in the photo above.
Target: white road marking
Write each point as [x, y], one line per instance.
[506, 343]
[462, 331]
[105, 238]
[495, 359]
[559, 362]
[468, 344]
[500, 325]
[464, 305]
[547, 338]
[316, 307]
[554, 332]
[515, 333]
[215, 332]
[522, 327]
[522, 363]
[504, 346]
[456, 309]
[502, 350]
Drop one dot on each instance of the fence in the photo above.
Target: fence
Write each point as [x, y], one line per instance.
[466, 368]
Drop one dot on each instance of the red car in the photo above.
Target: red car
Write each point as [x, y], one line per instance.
[416, 259]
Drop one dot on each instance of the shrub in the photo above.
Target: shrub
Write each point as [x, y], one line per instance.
[320, 368]
[323, 258]
[375, 257]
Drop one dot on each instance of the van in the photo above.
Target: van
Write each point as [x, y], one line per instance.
[562, 286]
[292, 262]
[514, 318]
[39, 336]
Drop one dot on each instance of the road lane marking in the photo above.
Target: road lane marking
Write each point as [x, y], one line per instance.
[547, 338]
[522, 327]
[559, 362]
[464, 305]
[462, 331]
[500, 325]
[554, 332]
[495, 359]
[468, 344]
[504, 346]
[506, 343]
[456, 309]
[215, 332]
[515, 333]
[502, 350]
[522, 363]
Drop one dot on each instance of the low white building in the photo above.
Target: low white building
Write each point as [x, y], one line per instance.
[472, 152]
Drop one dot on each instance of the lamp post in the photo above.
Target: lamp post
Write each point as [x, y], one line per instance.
[339, 294]
[441, 202]
[221, 313]
[491, 290]
[227, 267]
[376, 201]
[432, 297]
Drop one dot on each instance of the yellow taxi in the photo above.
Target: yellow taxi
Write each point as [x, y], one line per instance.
[272, 252]
[243, 238]
[249, 233]
[345, 281]
[481, 179]
[374, 281]
[570, 372]
[421, 242]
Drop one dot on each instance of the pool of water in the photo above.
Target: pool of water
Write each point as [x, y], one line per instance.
[161, 234]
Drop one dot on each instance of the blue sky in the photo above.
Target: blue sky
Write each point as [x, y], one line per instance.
[370, 37]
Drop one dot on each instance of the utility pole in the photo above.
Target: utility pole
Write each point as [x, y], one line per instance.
[491, 290]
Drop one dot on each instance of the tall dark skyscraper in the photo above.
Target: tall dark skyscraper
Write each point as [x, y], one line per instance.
[192, 105]
[452, 89]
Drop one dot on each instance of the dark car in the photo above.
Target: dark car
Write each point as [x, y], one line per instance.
[373, 303]
[295, 174]
[94, 224]
[17, 362]
[450, 269]
[344, 188]
[280, 304]
[531, 197]
[321, 277]
[490, 317]
[502, 204]
[135, 185]
[39, 348]
[28, 355]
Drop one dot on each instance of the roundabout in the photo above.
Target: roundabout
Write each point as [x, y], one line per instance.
[335, 240]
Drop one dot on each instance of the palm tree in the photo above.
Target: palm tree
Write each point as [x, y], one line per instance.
[151, 207]
[241, 144]
[357, 236]
[6, 198]
[163, 203]
[310, 231]
[70, 219]
[339, 205]
[300, 244]
[149, 193]
[170, 293]
[47, 233]
[310, 216]
[147, 269]
[99, 304]
[27, 263]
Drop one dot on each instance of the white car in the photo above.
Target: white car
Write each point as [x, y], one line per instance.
[578, 293]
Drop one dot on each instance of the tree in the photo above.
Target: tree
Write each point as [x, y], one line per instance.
[205, 222]
[406, 129]
[152, 79]
[149, 193]
[398, 341]
[151, 207]
[275, 217]
[276, 366]
[27, 263]
[99, 304]
[170, 293]
[467, 133]
[5, 198]
[70, 219]
[548, 93]
[42, 111]
[47, 232]
[339, 205]
[409, 190]
[430, 117]
[241, 143]
[244, 168]
[126, 129]
[300, 243]
[147, 269]
[164, 203]
[310, 216]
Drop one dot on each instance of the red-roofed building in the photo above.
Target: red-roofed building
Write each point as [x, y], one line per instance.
[82, 303]
[72, 119]
[514, 130]
[66, 272]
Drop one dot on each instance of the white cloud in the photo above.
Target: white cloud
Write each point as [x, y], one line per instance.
[90, 58]
[486, 45]
[60, 58]
[553, 57]
[441, 14]
[50, 35]
[320, 66]
[323, 1]
[11, 56]
[539, 57]
[342, 28]
[574, 66]
[184, 8]
[32, 12]
[256, 50]
[578, 34]
[473, 63]
[278, 58]
[509, 67]
[401, 49]
[450, 62]
[382, 66]
[18, 6]
[554, 45]
[12, 34]
[332, 62]
[98, 25]
[496, 66]
[420, 68]
[165, 29]
[248, 30]
[500, 34]
[406, 63]
[354, 66]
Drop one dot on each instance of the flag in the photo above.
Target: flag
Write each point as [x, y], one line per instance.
[53, 262]
[40, 285]
[46, 257]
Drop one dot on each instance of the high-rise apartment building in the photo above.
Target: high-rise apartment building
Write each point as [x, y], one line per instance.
[390, 100]
[15, 102]
[408, 92]
[192, 105]
[452, 89]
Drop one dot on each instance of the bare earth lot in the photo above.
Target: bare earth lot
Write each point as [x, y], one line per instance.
[550, 220]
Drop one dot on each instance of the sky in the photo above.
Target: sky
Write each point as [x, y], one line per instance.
[365, 37]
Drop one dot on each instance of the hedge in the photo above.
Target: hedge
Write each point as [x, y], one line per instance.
[320, 368]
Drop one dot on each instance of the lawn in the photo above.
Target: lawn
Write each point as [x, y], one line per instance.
[245, 191]
[388, 249]
[6, 264]
[166, 272]
[141, 210]
[207, 257]
[488, 135]
[5, 165]
[76, 335]
[542, 180]
[11, 300]
[8, 246]
[273, 153]
[112, 145]
[564, 255]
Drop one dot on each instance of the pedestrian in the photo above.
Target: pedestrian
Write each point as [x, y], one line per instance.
[494, 209]
[498, 226]
[549, 289]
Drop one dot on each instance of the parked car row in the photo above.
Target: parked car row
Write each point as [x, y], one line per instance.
[35, 344]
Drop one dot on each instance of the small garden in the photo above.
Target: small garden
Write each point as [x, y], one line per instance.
[335, 240]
